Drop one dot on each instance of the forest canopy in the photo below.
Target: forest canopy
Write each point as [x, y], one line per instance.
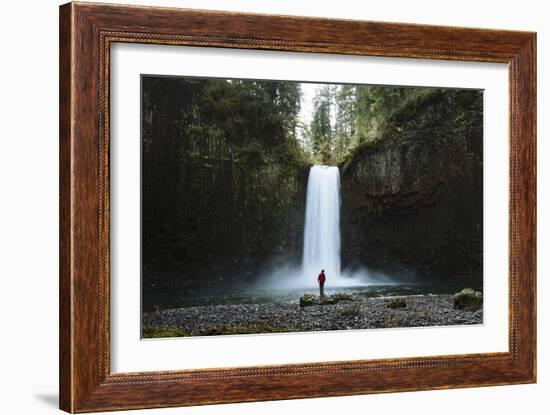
[275, 120]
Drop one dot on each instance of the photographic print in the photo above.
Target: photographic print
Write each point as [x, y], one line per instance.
[283, 206]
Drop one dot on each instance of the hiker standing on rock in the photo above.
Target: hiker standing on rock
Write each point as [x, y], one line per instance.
[321, 279]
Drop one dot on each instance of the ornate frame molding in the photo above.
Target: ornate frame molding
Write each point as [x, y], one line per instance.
[86, 33]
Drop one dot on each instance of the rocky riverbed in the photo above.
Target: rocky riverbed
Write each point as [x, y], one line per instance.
[371, 313]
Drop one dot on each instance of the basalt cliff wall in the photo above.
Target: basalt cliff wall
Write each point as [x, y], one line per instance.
[412, 200]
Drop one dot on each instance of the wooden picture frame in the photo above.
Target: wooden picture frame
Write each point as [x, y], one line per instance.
[86, 33]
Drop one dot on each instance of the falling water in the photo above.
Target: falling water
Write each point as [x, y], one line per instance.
[321, 241]
[322, 227]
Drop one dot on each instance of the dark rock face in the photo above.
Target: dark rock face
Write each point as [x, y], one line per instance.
[249, 214]
[413, 200]
[217, 205]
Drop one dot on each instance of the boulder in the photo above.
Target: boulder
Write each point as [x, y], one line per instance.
[307, 300]
[312, 299]
[468, 299]
[339, 297]
[327, 299]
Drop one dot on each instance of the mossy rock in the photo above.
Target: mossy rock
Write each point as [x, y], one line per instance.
[327, 300]
[397, 303]
[308, 300]
[468, 299]
[339, 297]
[312, 299]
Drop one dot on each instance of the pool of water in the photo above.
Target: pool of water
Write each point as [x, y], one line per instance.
[188, 297]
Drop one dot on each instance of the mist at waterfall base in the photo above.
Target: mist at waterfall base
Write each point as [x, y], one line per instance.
[293, 277]
[322, 241]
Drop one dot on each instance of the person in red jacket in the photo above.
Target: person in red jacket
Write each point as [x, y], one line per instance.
[321, 279]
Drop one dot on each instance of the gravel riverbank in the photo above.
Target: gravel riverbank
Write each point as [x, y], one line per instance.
[420, 310]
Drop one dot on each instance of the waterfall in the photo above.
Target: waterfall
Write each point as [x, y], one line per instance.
[321, 240]
[322, 227]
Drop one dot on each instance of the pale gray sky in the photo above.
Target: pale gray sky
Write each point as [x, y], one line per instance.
[306, 109]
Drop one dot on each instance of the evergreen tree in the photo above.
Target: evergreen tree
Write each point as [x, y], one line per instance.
[345, 103]
[321, 129]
